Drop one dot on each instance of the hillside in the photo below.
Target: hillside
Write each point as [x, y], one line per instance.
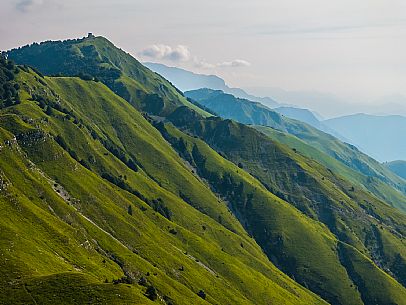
[398, 167]
[378, 136]
[119, 217]
[349, 215]
[248, 112]
[96, 57]
[174, 206]
[374, 185]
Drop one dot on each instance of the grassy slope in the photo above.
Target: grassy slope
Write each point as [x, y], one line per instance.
[320, 275]
[88, 236]
[120, 71]
[247, 112]
[376, 186]
[352, 215]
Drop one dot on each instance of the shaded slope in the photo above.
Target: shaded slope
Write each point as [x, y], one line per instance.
[372, 184]
[351, 215]
[248, 112]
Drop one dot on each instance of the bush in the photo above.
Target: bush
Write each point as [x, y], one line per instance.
[151, 293]
[61, 142]
[161, 208]
[202, 294]
[49, 111]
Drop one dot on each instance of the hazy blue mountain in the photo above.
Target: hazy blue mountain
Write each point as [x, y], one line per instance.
[398, 167]
[382, 137]
[300, 114]
[308, 117]
[187, 80]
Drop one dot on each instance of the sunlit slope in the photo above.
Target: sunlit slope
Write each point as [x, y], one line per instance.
[118, 216]
[351, 215]
[96, 57]
[248, 112]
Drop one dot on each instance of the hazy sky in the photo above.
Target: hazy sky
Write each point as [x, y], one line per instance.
[352, 49]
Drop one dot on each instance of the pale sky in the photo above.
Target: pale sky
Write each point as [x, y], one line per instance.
[354, 50]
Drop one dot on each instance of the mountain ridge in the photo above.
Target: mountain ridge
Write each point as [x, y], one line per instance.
[249, 112]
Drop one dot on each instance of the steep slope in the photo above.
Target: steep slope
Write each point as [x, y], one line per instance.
[244, 111]
[379, 136]
[351, 216]
[118, 216]
[96, 57]
[398, 167]
[248, 112]
[372, 184]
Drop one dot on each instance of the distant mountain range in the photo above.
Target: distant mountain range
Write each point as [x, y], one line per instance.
[254, 113]
[331, 105]
[398, 167]
[382, 137]
[249, 112]
[377, 136]
[187, 81]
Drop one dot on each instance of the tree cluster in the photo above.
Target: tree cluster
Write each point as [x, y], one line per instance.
[8, 87]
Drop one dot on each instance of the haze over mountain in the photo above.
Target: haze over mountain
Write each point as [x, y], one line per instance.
[137, 195]
[330, 105]
[398, 167]
[386, 130]
[382, 137]
[186, 81]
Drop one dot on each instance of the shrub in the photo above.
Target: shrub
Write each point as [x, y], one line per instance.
[202, 294]
[151, 293]
[49, 110]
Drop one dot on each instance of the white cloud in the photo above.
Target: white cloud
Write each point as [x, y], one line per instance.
[181, 53]
[160, 51]
[27, 5]
[235, 63]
